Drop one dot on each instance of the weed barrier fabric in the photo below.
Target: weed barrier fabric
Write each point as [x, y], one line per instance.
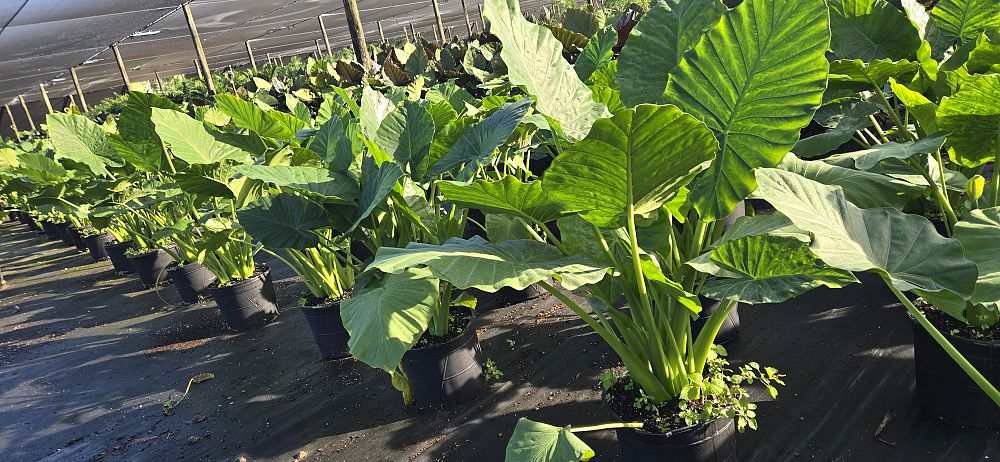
[87, 359]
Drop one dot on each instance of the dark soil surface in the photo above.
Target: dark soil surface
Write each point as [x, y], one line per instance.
[950, 325]
[87, 360]
[458, 320]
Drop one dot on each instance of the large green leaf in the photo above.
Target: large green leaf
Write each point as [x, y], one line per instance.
[271, 124]
[477, 142]
[972, 115]
[476, 263]
[922, 110]
[855, 73]
[189, 140]
[508, 196]
[843, 119]
[40, 169]
[334, 143]
[283, 221]
[406, 134]
[386, 320]
[961, 21]
[377, 181]
[985, 57]
[979, 233]
[333, 187]
[534, 61]
[904, 248]
[864, 189]
[869, 158]
[598, 52]
[870, 30]
[76, 138]
[656, 45]
[375, 107]
[638, 158]
[537, 442]
[756, 79]
[770, 269]
[138, 133]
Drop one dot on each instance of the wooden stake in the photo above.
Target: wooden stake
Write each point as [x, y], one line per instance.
[440, 23]
[197, 66]
[121, 68]
[45, 98]
[468, 22]
[79, 89]
[319, 50]
[269, 59]
[482, 18]
[24, 105]
[437, 38]
[326, 36]
[13, 123]
[193, 28]
[413, 32]
[253, 63]
[159, 82]
[72, 101]
[357, 33]
[381, 35]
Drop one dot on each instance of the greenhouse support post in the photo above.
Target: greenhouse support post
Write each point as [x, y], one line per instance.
[24, 105]
[413, 32]
[159, 82]
[45, 98]
[357, 33]
[326, 35]
[381, 34]
[438, 20]
[202, 59]
[253, 63]
[79, 89]
[121, 67]
[197, 67]
[13, 123]
[468, 22]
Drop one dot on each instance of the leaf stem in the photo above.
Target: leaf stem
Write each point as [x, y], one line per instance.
[607, 426]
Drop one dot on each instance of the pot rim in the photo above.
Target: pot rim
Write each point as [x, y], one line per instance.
[470, 331]
[676, 431]
[995, 344]
[256, 277]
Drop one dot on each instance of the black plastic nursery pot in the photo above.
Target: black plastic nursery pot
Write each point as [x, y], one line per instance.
[713, 441]
[22, 217]
[451, 372]
[63, 230]
[945, 391]
[50, 230]
[151, 267]
[116, 252]
[95, 244]
[247, 304]
[328, 330]
[77, 238]
[192, 281]
[730, 328]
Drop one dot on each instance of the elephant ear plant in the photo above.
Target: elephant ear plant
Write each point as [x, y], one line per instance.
[629, 221]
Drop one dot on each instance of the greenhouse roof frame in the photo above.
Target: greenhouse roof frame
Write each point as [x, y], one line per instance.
[40, 40]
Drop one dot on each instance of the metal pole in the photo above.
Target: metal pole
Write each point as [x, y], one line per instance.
[24, 105]
[326, 35]
[13, 123]
[253, 63]
[468, 23]
[79, 89]
[357, 32]
[121, 67]
[193, 28]
[45, 98]
[440, 23]
[381, 34]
